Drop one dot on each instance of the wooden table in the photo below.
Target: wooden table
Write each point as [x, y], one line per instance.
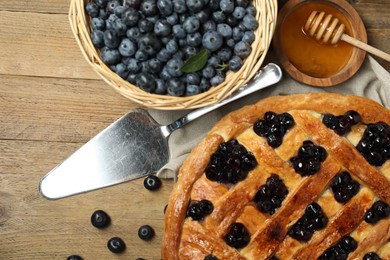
[52, 102]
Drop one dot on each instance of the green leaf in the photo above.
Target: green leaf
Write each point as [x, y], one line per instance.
[196, 62]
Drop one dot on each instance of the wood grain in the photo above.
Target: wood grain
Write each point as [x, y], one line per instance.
[51, 103]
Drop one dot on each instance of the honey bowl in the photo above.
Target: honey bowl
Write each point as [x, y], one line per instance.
[308, 60]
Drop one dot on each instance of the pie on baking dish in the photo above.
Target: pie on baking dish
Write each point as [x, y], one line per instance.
[303, 176]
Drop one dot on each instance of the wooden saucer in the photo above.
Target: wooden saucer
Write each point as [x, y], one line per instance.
[309, 61]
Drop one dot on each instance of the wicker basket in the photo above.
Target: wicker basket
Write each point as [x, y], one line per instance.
[266, 15]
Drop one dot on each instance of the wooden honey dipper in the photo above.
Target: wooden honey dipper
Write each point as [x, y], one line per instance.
[327, 28]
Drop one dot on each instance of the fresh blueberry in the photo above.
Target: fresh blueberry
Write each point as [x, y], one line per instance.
[162, 28]
[110, 57]
[213, 5]
[209, 25]
[217, 79]
[164, 55]
[227, 6]
[150, 43]
[204, 84]
[194, 39]
[127, 47]
[92, 9]
[152, 182]
[208, 72]
[251, 9]
[225, 30]
[103, 13]
[192, 90]
[74, 257]
[100, 219]
[232, 21]
[120, 27]
[131, 78]
[191, 24]
[214, 61]
[231, 43]
[242, 49]
[146, 232]
[116, 245]
[238, 34]
[249, 37]
[97, 38]
[101, 3]
[120, 10]
[165, 7]
[134, 65]
[203, 15]
[161, 88]
[250, 22]
[195, 6]
[179, 6]
[132, 3]
[141, 55]
[98, 23]
[235, 63]
[239, 12]
[192, 78]
[189, 51]
[178, 31]
[218, 17]
[112, 4]
[176, 87]
[155, 65]
[172, 46]
[173, 18]
[242, 3]
[173, 67]
[133, 34]
[149, 7]
[111, 39]
[224, 54]
[121, 69]
[212, 40]
[130, 17]
[164, 74]
[146, 82]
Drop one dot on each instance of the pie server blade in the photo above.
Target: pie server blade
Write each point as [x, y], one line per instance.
[132, 147]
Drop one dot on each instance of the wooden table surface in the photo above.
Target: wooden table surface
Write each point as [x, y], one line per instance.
[51, 103]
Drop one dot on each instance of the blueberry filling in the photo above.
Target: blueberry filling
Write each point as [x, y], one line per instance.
[309, 158]
[238, 236]
[230, 163]
[341, 124]
[273, 127]
[375, 143]
[379, 210]
[341, 250]
[270, 196]
[197, 210]
[344, 187]
[146, 232]
[210, 257]
[313, 219]
[371, 256]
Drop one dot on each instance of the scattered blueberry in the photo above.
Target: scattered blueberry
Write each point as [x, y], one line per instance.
[146, 232]
[116, 245]
[100, 219]
[74, 257]
[152, 182]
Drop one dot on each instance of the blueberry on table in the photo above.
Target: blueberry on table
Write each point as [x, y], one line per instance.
[100, 219]
[146, 232]
[116, 245]
[152, 182]
[74, 257]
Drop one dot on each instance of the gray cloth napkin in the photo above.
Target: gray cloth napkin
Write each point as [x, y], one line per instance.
[371, 81]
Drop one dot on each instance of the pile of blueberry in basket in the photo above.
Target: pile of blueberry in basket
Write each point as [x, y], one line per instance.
[173, 47]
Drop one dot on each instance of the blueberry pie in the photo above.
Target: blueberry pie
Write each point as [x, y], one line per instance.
[303, 176]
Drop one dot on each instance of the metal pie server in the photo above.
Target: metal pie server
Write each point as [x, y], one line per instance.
[132, 147]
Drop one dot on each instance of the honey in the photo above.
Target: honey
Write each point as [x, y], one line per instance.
[308, 55]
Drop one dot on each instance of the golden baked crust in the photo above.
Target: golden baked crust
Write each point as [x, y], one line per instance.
[185, 238]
